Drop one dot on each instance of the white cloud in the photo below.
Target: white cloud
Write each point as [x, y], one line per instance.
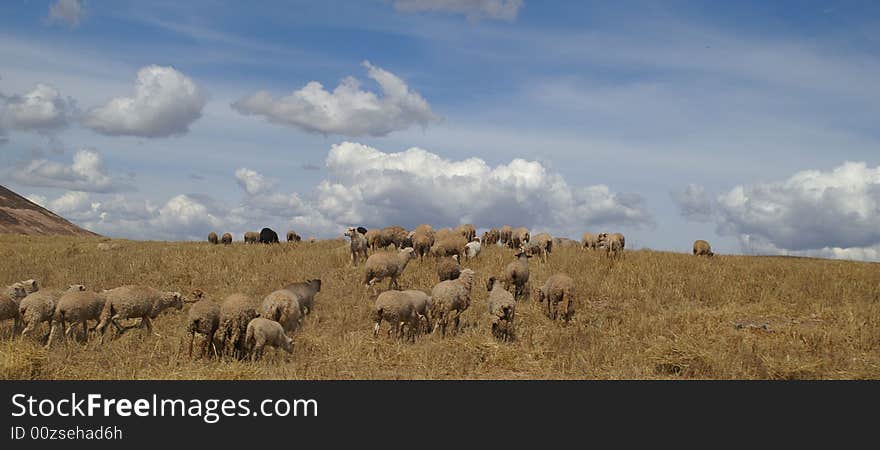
[813, 213]
[252, 182]
[473, 9]
[42, 109]
[347, 110]
[85, 173]
[71, 12]
[693, 203]
[165, 102]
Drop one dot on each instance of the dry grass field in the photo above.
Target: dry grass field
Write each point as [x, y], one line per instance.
[650, 315]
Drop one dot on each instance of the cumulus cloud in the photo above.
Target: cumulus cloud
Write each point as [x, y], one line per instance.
[812, 213]
[85, 173]
[348, 110]
[693, 203]
[252, 182]
[473, 9]
[43, 109]
[165, 102]
[71, 12]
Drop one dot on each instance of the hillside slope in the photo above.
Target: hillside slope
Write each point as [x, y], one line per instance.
[19, 215]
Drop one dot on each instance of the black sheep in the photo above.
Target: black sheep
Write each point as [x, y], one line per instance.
[268, 236]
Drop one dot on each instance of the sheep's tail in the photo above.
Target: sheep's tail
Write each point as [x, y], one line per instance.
[249, 339]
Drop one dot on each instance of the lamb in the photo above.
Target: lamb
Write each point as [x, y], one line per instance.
[305, 292]
[203, 318]
[502, 310]
[590, 241]
[236, 312]
[422, 243]
[448, 246]
[542, 245]
[472, 248]
[293, 237]
[39, 307]
[504, 235]
[558, 292]
[9, 304]
[450, 299]
[517, 273]
[283, 307]
[358, 246]
[251, 237]
[448, 268]
[518, 237]
[226, 239]
[212, 238]
[467, 231]
[702, 248]
[387, 265]
[76, 307]
[400, 308]
[131, 302]
[261, 332]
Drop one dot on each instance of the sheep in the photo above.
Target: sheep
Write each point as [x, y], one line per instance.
[261, 332]
[293, 237]
[212, 238]
[305, 292]
[393, 235]
[558, 292]
[400, 308]
[358, 246]
[518, 237]
[283, 307]
[491, 236]
[372, 239]
[387, 265]
[613, 243]
[561, 242]
[236, 311]
[590, 241]
[268, 236]
[504, 235]
[472, 249]
[9, 303]
[226, 239]
[131, 302]
[516, 273]
[251, 237]
[30, 286]
[424, 229]
[448, 268]
[542, 245]
[422, 242]
[502, 310]
[702, 248]
[39, 307]
[448, 246]
[203, 318]
[444, 233]
[76, 307]
[451, 298]
[467, 231]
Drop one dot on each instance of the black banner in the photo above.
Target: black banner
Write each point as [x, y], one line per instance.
[244, 413]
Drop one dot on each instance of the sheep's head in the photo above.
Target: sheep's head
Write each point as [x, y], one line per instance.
[490, 283]
[539, 294]
[76, 288]
[30, 286]
[315, 284]
[195, 295]
[172, 300]
[350, 232]
[287, 344]
[16, 291]
[408, 253]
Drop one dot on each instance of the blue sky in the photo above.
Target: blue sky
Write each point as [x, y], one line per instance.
[750, 124]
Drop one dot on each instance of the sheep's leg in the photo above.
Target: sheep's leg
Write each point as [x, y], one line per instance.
[376, 328]
[192, 337]
[53, 329]
[148, 323]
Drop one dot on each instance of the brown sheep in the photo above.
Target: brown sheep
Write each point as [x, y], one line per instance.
[293, 237]
[372, 238]
[203, 318]
[516, 274]
[425, 229]
[448, 246]
[702, 248]
[226, 239]
[448, 268]
[212, 238]
[444, 233]
[542, 245]
[590, 241]
[422, 243]
[558, 292]
[451, 298]
[394, 235]
[614, 244]
[236, 311]
[502, 310]
[491, 236]
[467, 231]
[283, 307]
[305, 292]
[252, 237]
[504, 235]
[518, 237]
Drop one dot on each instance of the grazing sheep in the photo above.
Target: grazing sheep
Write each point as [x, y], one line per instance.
[451, 298]
[372, 238]
[613, 243]
[558, 292]
[472, 248]
[261, 332]
[305, 292]
[504, 235]
[561, 242]
[444, 233]
[251, 237]
[226, 239]
[283, 307]
[448, 268]
[268, 236]
[702, 248]
[203, 318]
[293, 237]
[590, 241]
[76, 307]
[9, 303]
[212, 238]
[518, 237]
[39, 307]
[394, 235]
[491, 237]
[542, 245]
[516, 274]
[358, 246]
[467, 231]
[448, 246]
[424, 229]
[30, 286]
[399, 309]
[387, 265]
[502, 309]
[132, 302]
[236, 311]
[422, 243]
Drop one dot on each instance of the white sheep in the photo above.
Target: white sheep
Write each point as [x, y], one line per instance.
[502, 309]
[39, 307]
[305, 292]
[9, 302]
[387, 265]
[133, 302]
[516, 274]
[283, 307]
[558, 292]
[236, 312]
[399, 309]
[76, 307]
[358, 246]
[451, 298]
[472, 249]
[262, 332]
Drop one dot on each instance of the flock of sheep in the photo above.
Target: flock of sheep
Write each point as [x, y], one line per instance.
[241, 326]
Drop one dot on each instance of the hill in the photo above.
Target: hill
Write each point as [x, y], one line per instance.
[19, 215]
